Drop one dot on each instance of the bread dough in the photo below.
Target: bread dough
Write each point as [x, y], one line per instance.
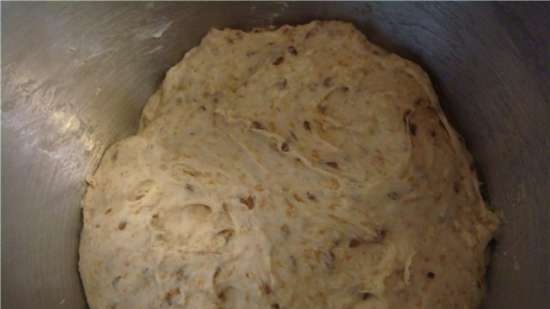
[302, 167]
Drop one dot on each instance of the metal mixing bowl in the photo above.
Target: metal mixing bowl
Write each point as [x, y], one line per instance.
[76, 75]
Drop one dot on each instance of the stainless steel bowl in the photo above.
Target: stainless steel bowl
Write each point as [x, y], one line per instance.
[76, 75]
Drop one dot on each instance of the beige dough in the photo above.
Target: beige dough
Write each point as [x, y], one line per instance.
[302, 167]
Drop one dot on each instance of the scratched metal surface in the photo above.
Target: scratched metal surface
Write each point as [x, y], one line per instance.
[76, 75]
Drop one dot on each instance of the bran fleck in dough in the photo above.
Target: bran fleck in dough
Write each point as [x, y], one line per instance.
[302, 167]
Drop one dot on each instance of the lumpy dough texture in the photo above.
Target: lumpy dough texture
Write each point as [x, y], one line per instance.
[302, 167]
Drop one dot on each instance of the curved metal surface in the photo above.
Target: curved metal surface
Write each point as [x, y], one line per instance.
[75, 76]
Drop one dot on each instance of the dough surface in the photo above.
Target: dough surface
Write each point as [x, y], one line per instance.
[302, 167]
